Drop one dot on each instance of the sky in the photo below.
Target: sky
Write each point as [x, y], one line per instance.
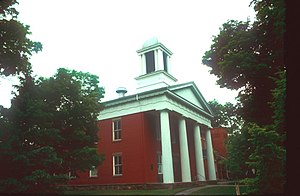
[102, 37]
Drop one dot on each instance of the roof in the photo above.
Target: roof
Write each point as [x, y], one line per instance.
[151, 44]
[186, 93]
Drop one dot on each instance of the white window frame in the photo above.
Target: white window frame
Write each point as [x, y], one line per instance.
[117, 165]
[204, 149]
[93, 172]
[116, 130]
[159, 163]
[70, 175]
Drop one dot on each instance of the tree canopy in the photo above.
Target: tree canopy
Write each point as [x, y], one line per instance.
[50, 130]
[15, 46]
[244, 56]
[248, 57]
[51, 127]
[225, 116]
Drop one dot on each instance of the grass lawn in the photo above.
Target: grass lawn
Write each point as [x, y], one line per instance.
[126, 192]
[220, 190]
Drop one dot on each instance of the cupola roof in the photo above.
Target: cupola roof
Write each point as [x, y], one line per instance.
[150, 42]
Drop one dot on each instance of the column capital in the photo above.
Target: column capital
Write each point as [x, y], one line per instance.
[181, 116]
[164, 110]
[195, 123]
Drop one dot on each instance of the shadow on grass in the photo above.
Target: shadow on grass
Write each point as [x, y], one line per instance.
[126, 192]
[222, 190]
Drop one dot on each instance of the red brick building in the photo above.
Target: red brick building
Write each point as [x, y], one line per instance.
[219, 136]
[160, 134]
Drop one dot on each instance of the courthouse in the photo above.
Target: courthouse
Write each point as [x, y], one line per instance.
[161, 134]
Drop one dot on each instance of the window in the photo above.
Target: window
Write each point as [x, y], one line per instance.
[204, 150]
[94, 172]
[204, 153]
[117, 164]
[117, 130]
[159, 163]
[165, 61]
[72, 174]
[150, 62]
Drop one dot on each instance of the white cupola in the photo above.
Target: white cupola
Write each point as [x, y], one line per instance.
[155, 66]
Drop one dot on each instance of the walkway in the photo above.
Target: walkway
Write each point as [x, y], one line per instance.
[190, 191]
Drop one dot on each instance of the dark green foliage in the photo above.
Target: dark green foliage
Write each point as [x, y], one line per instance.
[279, 103]
[15, 47]
[51, 126]
[225, 116]
[50, 129]
[268, 159]
[238, 149]
[249, 58]
[244, 56]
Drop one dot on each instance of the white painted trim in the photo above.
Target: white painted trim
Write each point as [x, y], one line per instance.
[113, 129]
[158, 102]
[113, 161]
[150, 48]
[90, 173]
[156, 72]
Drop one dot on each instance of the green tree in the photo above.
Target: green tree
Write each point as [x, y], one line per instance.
[15, 46]
[50, 129]
[237, 144]
[269, 156]
[225, 116]
[249, 58]
[279, 103]
[244, 56]
[239, 148]
[268, 159]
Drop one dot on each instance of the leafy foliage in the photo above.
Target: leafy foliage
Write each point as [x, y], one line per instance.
[268, 159]
[249, 58]
[239, 149]
[279, 104]
[244, 56]
[49, 130]
[225, 116]
[16, 48]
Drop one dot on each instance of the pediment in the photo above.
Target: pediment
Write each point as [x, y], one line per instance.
[190, 93]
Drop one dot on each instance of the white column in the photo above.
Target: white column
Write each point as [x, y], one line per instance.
[199, 154]
[156, 59]
[210, 156]
[166, 148]
[160, 60]
[143, 64]
[184, 152]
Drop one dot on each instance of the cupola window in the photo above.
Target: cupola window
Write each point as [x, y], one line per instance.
[150, 62]
[165, 61]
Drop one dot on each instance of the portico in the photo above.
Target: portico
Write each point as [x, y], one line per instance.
[167, 162]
